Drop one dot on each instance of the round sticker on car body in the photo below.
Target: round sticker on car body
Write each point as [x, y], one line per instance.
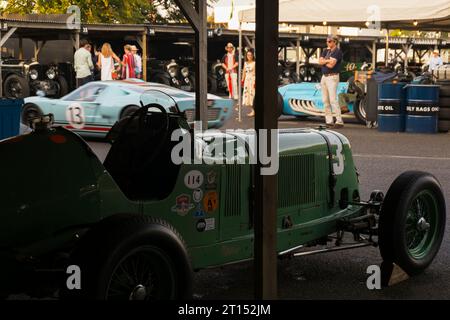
[75, 116]
[193, 179]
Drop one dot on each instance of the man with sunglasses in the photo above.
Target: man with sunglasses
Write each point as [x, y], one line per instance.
[330, 60]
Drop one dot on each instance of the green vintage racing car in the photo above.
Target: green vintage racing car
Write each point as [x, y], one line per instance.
[138, 225]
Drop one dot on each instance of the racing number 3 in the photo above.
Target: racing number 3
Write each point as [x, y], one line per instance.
[338, 164]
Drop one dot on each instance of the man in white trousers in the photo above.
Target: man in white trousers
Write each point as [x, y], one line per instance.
[330, 60]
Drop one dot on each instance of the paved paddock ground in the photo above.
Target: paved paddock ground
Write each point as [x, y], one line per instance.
[380, 158]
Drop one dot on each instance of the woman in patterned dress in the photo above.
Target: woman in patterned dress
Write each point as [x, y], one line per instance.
[249, 80]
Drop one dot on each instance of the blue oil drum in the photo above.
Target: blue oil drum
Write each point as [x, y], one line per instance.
[10, 110]
[422, 108]
[391, 107]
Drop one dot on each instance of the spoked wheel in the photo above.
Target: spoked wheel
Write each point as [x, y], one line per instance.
[128, 257]
[412, 221]
[421, 224]
[146, 273]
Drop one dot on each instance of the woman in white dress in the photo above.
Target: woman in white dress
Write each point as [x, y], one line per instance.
[249, 80]
[106, 62]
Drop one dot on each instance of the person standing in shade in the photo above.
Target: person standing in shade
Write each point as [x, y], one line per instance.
[137, 62]
[83, 64]
[249, 81]
[435, 61]
[106, 62]
[128, 65]
[230, 64]
[330, 60]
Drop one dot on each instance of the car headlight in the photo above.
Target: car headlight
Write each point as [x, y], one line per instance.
[287, 73]
[34, 74]
[185, 72]
[51, 74]
[312, 71]
[221, 72]
[302, 71]
[173, 72]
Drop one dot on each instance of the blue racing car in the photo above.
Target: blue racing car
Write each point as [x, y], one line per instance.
[94, 108]
[305, 99]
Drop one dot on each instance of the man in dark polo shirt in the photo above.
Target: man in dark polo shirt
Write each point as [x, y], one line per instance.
[330, 60]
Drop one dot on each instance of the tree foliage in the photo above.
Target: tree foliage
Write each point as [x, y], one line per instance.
[105, 11]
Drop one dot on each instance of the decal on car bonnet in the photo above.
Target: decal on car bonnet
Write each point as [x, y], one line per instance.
[211, 177]
[182, 205]
[339, 161]
[206, 224]
[193, 179]
[199, 213]
[211, 201]
[75, 115]
[197, 195]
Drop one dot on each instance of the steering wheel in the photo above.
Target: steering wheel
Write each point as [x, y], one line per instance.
[143, 129]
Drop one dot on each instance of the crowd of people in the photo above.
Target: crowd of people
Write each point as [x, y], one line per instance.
[109, 65]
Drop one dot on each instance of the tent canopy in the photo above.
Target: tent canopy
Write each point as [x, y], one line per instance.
[433, 15]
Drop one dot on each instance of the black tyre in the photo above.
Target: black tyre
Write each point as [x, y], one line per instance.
[212, 85]
[444, 102]
[129, 257]
[445, 91]
[29, 112]
[128, 111]
[444, 113]
[159, 78]
[63, 87]
[192, 83]
[412, 221]
[444, 125]
[16, 86]
[280, 103]
[360, 110]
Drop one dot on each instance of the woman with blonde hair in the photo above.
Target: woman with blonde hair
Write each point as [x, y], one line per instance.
[106, 62]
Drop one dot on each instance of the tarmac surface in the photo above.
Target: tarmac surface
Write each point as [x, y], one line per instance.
[380, 158]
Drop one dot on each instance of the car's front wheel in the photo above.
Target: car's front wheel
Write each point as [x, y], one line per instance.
[412, 221]
[16, 87]
[30, 111]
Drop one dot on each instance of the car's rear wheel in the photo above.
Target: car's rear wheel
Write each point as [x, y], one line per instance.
[16, 87]
[29, 112]
[412, 221]
[131, 257]
[360, 110]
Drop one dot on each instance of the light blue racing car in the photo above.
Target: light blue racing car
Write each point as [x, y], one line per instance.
[94, 108]
[305, 99]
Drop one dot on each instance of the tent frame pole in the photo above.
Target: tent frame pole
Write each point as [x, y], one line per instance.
[240, 74]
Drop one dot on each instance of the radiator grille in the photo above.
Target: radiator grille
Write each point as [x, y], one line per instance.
[213, 114]
[233, 191]
[296, 180]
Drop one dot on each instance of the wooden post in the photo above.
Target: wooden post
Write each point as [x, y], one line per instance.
[198, 19]
[265, 255]
[297, 55]
[386, 54]
[144, 56]
[374, 54]
[20, 48]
